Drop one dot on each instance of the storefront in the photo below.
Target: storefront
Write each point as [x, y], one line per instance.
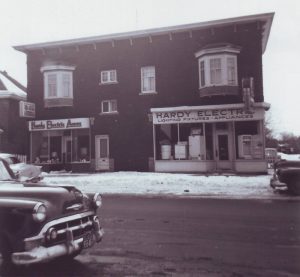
[61, 144]
[220, 138]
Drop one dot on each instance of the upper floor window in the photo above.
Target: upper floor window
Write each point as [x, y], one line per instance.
[108, 76]
[109, 106]
[58, 85]
[218, 66]
[148, 79]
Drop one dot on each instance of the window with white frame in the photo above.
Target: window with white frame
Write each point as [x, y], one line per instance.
[218, 70]
[218, 67]
[58, 81]
[109, 106]
[108, 76]
[148, 79]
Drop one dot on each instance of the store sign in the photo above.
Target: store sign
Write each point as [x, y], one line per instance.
[59, 124]
[215, 115]
[27, 109]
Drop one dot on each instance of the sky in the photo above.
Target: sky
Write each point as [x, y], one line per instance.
[34, 21]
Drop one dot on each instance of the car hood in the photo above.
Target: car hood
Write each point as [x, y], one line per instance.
[59, 200]
[26, 171]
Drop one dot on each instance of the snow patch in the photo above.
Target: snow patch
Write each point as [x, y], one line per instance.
[140, 183]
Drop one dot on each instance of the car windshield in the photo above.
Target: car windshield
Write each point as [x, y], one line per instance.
[4, 173]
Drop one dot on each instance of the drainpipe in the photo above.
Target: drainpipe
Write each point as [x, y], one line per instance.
[1, 132]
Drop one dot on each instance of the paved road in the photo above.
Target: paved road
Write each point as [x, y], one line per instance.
[189, 237]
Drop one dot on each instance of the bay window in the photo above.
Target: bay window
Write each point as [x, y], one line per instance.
[218, 70]
[58, 85]
[218, 66]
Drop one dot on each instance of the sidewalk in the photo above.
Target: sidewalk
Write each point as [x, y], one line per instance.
[169, 184]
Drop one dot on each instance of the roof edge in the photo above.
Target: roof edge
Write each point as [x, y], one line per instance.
[266, 17]
[4, 94]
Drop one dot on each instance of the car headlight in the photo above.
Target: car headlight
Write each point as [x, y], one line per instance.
[39, 212]
[97, 200]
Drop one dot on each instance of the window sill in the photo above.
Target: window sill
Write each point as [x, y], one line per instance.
[58, 102]
[109, 113]
[108, 83]
[218, 85]
[219, 91]
[148, 93]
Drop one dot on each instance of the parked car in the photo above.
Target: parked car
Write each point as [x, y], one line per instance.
[272, 156]
[40, 222]
[286, 176]
[22, 170]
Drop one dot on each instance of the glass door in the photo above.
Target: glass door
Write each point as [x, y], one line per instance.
[223, 146]
[102, 152]
[223, 151]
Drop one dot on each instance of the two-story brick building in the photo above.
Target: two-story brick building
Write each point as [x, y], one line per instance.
[13, 130]
[184, 99]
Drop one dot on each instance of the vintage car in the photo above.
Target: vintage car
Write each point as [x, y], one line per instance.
[22, 170]
[286, 176]
[39, 222]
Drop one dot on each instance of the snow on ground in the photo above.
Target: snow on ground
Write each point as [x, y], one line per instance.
[168, 184]
[289, 157]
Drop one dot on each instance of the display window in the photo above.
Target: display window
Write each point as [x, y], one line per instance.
[209, 141]
[60, 146]
[180, 142]
[249, 140]
[80, 145]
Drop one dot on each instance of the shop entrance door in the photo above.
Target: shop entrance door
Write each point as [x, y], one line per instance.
[223, 153]
[102, 152]
[222, 146]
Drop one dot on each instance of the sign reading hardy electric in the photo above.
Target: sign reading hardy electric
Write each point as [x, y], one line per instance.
[59, 124]
[192, 116]
[27, 109]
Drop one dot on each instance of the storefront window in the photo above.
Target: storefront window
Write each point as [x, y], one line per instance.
[55, 139]
[180, 142]
[40, 151]
[81, 146]
[60, 146]
[249, 140]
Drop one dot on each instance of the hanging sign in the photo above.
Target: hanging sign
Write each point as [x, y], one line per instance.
[26, 109]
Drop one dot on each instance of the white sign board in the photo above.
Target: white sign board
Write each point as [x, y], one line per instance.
[59, 124]
[214, 115]
[27, 109]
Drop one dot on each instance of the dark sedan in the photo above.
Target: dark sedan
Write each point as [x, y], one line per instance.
[286, 176]
[39, 222]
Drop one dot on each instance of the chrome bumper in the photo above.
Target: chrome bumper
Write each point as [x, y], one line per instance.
[276, 184]
[41, 254]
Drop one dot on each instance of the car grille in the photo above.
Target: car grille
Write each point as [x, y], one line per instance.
[78, 227]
